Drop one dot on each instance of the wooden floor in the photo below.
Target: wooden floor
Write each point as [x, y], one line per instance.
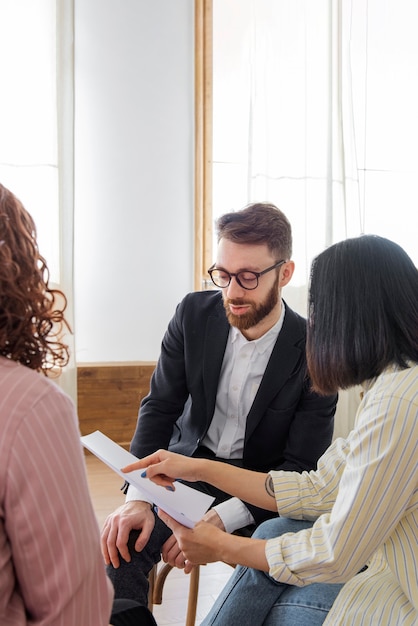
[106, 496]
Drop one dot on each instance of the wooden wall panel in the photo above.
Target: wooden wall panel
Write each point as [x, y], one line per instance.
[108, 397]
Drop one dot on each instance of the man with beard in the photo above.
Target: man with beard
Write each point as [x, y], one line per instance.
[230, 384]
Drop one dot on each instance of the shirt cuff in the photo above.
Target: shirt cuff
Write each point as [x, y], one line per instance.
[133, 493]
[287, 493]
[234, 514]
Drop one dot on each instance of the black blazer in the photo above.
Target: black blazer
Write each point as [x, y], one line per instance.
[288, 426]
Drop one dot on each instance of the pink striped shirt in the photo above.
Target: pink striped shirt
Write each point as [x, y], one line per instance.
[51, 568]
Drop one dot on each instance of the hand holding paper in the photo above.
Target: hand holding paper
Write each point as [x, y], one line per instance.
[184, 504]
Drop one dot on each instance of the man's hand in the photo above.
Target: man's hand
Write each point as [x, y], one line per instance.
[135, 515]
[172, 554]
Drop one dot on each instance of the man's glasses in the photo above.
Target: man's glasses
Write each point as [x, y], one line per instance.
[245, 278]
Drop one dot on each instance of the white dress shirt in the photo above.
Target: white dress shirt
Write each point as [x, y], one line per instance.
[242, 370]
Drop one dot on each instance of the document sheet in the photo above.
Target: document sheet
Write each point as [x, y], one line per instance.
[185, 504]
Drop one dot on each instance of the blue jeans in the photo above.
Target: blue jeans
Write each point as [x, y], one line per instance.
[253, 597]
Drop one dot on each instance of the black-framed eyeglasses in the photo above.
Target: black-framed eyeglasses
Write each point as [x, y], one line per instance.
[245, 279]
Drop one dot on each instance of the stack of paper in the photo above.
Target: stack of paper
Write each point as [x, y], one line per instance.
[186, 505]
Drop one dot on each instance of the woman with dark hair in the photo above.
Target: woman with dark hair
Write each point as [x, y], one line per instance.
[51, 568]
[344, 549]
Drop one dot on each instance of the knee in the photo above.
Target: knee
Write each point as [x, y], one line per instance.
[278, 526]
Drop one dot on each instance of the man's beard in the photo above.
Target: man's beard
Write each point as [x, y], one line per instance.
[258, 311]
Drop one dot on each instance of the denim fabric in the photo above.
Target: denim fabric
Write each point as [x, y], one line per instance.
[253, 597]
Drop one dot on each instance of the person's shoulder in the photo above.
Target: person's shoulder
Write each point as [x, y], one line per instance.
[203, 301]
[24, 386]
[30, 400]
[294, 321]
[204, 297]
[15, 376]
[397, 381]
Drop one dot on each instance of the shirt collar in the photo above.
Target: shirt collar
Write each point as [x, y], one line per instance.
[390, 369]
[265, 341]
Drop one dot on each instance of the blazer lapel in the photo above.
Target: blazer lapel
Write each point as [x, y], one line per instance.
[216, 336]
[283, 360]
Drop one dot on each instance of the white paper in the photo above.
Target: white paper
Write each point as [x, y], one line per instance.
[186, 505]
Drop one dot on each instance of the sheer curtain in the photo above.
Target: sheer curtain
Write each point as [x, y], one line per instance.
[314, 110]
[36, 118]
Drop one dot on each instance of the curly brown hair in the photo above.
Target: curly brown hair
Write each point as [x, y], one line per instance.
[31, 313]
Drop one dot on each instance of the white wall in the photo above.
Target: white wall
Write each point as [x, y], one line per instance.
[134, 91]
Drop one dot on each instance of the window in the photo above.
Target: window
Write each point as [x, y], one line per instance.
[36, 130]
[28, 115]
[312, 106]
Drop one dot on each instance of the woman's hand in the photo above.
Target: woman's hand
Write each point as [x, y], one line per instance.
[199, 545]
[206, 544]
[164, 467]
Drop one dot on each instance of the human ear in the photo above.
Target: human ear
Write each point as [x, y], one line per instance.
[286, 272]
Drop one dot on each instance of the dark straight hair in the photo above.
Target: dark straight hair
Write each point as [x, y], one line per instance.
[363, 312]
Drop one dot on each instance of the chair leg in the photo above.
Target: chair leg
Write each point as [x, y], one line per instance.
[193, 596]
[151, 581]
[156, 585]
[157, 596]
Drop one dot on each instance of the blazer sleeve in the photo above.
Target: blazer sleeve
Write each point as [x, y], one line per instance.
[165, 403]
[310, 432]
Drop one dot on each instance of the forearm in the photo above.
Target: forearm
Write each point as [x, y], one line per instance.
[165, 467]
[245, 551]
[206, 543]
[252, 487]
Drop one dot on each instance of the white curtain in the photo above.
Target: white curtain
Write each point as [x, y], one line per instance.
[65, 143]
[36, 131]
[315, 110]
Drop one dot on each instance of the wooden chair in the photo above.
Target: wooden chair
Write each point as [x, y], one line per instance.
[157, 580]
[156, 584]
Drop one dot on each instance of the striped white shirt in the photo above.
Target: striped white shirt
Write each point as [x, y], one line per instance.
[364, 498]
[51, 568]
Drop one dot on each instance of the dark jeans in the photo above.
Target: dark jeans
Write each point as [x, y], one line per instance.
[130, 613]
[130, 580]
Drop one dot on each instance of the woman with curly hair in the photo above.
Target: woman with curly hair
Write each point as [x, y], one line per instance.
[51, 569]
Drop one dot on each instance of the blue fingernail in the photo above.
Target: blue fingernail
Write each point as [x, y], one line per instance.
[144, 474]
[170, 488]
